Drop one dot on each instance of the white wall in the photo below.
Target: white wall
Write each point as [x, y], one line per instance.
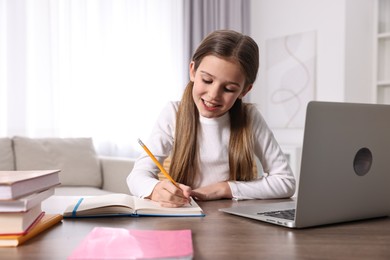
[344, 47]
[360, 36]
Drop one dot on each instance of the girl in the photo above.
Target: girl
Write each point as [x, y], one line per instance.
[212, 135]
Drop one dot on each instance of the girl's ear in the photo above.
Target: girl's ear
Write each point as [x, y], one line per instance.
[192, 71]
[245, 91]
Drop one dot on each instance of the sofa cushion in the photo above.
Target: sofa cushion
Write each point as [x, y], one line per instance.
[6, 155]
[75, 157]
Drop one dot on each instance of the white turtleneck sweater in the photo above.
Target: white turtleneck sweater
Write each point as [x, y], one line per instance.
[213, 140]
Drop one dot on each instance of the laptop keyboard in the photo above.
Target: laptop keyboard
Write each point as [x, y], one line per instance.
[283, 214]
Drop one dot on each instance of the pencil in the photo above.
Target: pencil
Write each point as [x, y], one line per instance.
[158, 163]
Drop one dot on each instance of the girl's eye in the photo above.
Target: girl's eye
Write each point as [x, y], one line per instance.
[229, 90]
[207, 81]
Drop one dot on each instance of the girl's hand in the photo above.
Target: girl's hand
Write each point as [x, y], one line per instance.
[220, 190]
[168, 195]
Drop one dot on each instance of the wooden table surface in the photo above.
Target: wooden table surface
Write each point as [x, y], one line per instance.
[222, 236]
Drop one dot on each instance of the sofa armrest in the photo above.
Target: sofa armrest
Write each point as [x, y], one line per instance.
[115, 171]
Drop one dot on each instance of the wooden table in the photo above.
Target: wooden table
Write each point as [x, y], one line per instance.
[223, 236]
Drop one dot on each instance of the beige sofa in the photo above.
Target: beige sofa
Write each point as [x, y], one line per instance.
[83, 172]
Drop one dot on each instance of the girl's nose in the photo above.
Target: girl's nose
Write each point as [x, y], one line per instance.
[214, 91]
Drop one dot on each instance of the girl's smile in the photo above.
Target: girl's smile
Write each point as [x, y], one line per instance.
[209, 105]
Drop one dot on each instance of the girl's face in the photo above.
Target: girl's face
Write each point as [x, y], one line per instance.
[217, 85]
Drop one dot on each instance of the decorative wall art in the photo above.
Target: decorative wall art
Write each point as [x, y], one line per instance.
[290, 76]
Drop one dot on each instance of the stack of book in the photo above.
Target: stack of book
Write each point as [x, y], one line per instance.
[21, 196]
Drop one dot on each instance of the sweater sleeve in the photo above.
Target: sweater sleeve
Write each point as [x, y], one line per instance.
[278, 180]
[144, 176]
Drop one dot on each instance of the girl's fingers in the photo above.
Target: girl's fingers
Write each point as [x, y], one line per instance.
[168, 195]
[186, 190]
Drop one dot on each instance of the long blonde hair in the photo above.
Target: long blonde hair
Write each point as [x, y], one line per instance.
[234, 46]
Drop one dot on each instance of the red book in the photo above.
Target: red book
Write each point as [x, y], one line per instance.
[16, 223]
[42, 224]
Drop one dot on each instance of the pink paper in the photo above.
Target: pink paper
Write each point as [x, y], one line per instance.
[111, 243]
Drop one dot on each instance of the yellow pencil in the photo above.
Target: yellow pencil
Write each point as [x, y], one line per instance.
[157, 163]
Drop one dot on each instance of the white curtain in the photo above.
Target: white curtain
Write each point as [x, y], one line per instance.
[97, 68]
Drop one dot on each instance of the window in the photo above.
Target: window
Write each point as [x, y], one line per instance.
[102, 69]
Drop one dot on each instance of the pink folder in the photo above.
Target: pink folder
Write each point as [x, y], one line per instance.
[111, 243]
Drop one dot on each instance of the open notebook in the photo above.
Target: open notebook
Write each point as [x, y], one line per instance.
[125, 205]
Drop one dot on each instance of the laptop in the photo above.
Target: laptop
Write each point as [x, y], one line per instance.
[345, 169]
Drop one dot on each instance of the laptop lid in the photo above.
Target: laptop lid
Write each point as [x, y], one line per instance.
[345, 168]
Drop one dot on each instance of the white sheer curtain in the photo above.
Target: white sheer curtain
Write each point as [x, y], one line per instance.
[96, 68]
